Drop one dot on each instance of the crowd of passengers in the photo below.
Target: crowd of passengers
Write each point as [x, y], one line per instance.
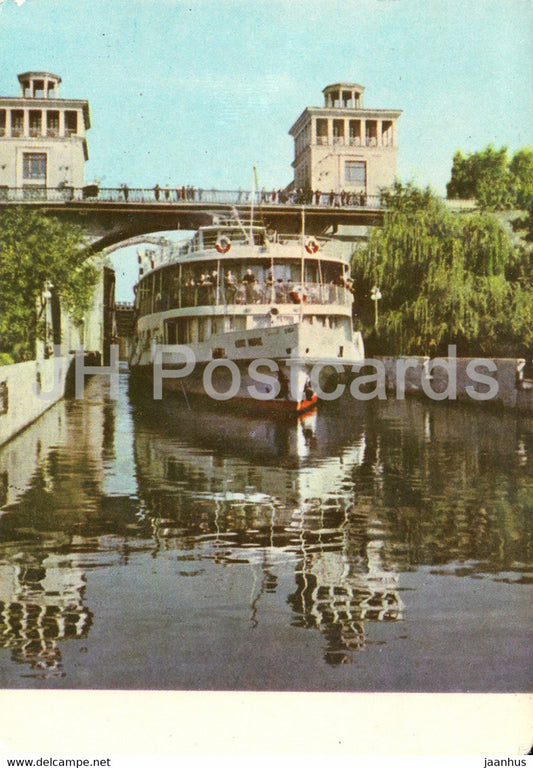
[248, 289]
[292, 197]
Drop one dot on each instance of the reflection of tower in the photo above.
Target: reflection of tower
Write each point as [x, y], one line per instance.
[41, 603]
[343, 584]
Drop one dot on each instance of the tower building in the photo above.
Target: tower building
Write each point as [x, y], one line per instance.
[42, 137]
[344, 147]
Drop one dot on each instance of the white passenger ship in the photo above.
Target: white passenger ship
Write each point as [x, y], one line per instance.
[236, 295]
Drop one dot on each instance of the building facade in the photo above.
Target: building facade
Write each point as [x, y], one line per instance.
[42, 137]
[344, 147]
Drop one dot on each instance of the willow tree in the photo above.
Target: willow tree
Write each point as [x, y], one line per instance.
[38, 251]
[444, 279]
[488, 176]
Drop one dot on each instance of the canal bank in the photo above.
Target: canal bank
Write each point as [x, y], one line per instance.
[29, 389]
[485, 381]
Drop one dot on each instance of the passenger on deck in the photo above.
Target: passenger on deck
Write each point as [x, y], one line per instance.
[249, 281]
[230, 285]
[280, 292]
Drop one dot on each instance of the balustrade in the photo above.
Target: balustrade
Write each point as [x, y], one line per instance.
[129, 195]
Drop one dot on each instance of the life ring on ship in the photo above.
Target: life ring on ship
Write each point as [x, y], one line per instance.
[223, 245]
[311, 245]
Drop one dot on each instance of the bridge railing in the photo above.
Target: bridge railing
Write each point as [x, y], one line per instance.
[187, 195]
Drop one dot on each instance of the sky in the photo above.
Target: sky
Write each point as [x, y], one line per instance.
[199, 91]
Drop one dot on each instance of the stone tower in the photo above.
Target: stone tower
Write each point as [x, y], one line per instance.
[42, 137]
[344, 147]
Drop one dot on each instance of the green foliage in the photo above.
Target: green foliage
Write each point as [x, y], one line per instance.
[34, 251]
[445, 279]
[489, 177]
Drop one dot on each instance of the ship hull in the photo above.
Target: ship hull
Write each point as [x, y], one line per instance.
[231, 385]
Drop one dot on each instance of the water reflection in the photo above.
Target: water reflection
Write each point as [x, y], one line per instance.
[294, 506]
[309, 526]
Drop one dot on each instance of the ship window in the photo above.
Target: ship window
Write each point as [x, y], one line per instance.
[219, 352]
[240, 343]
[203, 328]
[355, 172]
[257, 341]
[172, 335]
[34, 165]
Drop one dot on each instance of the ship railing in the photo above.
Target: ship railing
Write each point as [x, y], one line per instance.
[247, 295]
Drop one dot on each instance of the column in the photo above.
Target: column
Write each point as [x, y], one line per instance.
[8, 122]
[44, 122]
[379, 131]
[26, 123]
[363, 132]
[62, 122]
[330, 130]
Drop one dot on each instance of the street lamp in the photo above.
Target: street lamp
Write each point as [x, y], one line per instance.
[375, 295]
[46, 296]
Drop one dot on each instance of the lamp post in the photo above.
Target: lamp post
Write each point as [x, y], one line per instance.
[47, 294]
[375, 295]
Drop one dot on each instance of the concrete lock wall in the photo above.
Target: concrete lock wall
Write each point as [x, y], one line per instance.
[424, 376]
[20, 386]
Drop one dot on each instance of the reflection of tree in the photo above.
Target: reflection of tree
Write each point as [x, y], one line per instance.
[450, 491]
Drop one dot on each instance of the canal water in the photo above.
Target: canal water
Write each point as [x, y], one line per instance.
[367, 547]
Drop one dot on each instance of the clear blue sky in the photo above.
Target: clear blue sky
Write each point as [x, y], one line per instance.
[197, 92]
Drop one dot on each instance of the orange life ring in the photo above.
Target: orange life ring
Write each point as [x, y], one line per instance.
[312, 246]
[223, 245]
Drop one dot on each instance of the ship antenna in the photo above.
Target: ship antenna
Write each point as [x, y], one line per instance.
[302, 263]
[254, 180]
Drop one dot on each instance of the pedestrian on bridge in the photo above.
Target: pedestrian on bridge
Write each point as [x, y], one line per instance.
[157, 191]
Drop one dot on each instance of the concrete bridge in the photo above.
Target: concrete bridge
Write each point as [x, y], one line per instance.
[114, 215]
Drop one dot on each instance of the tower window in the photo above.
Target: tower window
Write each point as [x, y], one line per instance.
[387, 133]
[34, 165]
[321, 130]
[35, 122]
[71, 122]
[2, 122]
[355, 172]
[346, 98]
[338, 131]
[371, 133]
[52, 123]
[17, 122]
